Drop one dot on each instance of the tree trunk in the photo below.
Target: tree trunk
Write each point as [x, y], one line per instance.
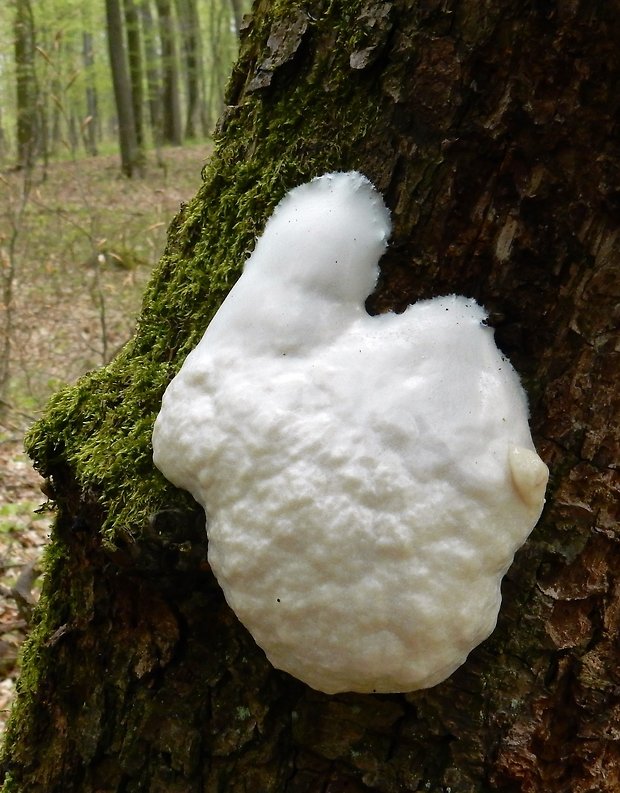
[171, 97]
[3, 140]
[134, 56]
[237, 10]
[218, 43]
[128, 142]
[90, 123]
[28, 127]
[152, 72]
[189, 26]
[489, 129]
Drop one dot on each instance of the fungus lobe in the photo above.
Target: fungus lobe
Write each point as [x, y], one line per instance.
[367, 479]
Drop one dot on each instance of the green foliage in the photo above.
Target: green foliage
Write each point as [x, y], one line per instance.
[10, 514]
[63, 76]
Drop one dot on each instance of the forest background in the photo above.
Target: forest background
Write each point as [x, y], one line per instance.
[106, 112]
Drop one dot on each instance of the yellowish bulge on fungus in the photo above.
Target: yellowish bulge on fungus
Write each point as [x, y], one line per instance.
[366, 480]
[529, 474]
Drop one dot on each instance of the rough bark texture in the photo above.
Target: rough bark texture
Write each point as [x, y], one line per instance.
[492, 130]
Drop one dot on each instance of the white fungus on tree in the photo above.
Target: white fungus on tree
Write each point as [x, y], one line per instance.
[367, 479]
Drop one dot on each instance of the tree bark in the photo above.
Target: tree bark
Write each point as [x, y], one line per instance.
[128, 141]
[490, 129]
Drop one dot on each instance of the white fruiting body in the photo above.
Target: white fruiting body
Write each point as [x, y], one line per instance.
[367, 480]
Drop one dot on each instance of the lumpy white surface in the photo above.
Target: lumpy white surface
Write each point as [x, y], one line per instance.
[366, 480]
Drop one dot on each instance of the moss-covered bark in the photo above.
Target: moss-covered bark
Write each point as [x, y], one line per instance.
[490, 129]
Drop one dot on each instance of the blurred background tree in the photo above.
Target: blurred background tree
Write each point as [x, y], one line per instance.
[82, 78]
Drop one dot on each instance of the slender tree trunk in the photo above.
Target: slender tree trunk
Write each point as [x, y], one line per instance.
[54, 114]
[171, 96]
[237, 10]
[153, 80]
[89, 125]
[128, 142]
[28, 126]
[3, 138]
[218, 22]
[189, 26]
[73, 126]
[134, 52]
[490, 129]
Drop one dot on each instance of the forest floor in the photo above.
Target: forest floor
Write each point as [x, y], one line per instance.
[76, 251]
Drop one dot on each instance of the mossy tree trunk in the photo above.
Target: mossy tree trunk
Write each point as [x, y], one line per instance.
[490, 128]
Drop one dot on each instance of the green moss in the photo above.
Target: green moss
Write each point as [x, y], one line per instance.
[10, 785]
[276, 137]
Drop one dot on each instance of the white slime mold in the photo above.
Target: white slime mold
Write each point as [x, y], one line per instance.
[367, 480]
